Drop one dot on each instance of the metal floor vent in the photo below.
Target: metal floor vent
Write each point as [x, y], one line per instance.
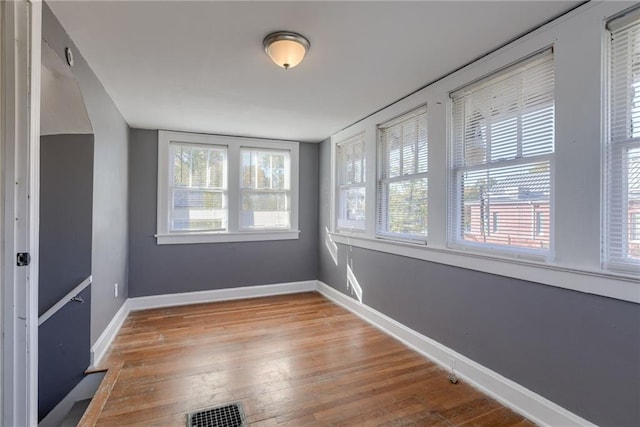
[221, 416]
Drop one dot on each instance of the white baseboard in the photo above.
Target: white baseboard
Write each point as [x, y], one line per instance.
[100, 347]
[103, 342]
[227, 294]
[522, 400]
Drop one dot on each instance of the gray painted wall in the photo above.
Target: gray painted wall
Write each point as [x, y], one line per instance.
[166, 269]
[110, 183]
[66, 187]
[63, 357]
[579, 350]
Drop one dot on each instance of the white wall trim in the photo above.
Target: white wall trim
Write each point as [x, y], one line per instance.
[522, 400]
[245, 236]
[604, 283]
[99, 349]
[227, 294]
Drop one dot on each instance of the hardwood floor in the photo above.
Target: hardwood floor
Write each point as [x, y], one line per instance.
[295, 360]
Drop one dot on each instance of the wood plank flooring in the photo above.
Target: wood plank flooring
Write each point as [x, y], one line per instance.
[293, 360]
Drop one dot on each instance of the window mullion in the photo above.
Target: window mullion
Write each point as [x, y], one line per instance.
[234, 187]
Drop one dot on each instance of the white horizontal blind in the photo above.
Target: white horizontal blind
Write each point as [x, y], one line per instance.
[198, 187]
[351, 171]
[502, 163]
[265, 191]
[622, 164]
[403, 177]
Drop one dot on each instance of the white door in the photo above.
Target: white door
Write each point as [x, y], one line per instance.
[20, 32]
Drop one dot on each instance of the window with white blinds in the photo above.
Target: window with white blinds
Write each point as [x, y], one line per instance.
[622, 162]
[403, 177]
[351, 169]
[198, 187]
[265, 191]
[502, 159]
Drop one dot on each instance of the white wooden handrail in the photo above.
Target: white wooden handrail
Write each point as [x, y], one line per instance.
[65, 299]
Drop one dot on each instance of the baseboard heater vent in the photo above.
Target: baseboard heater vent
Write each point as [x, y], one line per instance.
[221, 416]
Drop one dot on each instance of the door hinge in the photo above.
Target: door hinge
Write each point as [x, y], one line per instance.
[23, 259]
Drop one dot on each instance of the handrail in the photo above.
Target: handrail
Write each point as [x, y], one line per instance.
[65, 299]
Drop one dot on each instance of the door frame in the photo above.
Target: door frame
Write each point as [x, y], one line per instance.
[20, 43]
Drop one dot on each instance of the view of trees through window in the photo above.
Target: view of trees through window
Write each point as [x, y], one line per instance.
[198, 188]
[265, 189]
[403, 182]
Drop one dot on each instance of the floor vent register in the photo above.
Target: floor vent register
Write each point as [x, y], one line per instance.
[220, 416]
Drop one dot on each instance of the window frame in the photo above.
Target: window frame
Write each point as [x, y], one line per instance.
[224, 189]
[340, 223]
[382, 202]
[234, 145]
[286, 190]
[616, 258]
[455, 226]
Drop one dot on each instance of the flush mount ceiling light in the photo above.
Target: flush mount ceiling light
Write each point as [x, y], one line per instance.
[285, 48]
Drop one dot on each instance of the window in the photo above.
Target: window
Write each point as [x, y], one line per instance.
[221, 189]
[502, 157]
[402, 181]
[622, 166]
[351, 167]
[265, 193]
[198, 187]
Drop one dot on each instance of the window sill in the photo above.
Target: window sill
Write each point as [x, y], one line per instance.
[609, 284]
[248, 236]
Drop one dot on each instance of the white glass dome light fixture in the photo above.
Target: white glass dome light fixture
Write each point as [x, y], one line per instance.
[286, 49]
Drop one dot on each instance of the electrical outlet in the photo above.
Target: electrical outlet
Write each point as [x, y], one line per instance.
[115, 290]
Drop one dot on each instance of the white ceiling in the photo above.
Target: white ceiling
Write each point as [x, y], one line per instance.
[200, 66]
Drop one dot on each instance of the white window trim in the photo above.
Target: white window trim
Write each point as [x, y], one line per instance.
[233, 144]
[619, 286]
[575, 258]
